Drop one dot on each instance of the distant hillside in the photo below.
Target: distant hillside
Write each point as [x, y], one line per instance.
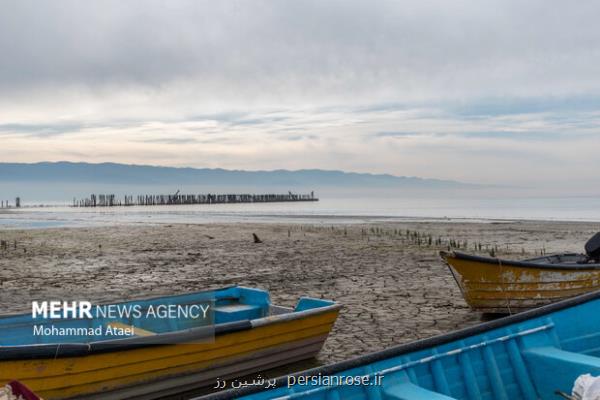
[111, 173]
[62, 181]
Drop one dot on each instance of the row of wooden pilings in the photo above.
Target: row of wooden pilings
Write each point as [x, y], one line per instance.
[110, 200]
[6, 203]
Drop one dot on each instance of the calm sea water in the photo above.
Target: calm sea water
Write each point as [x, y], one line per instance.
[328, 210]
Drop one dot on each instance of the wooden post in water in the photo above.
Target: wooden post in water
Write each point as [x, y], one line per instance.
[18, 202]
[110, 200]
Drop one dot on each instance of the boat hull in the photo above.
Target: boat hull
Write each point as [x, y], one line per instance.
[495, 286]
[249, 338]
[528, 356]
[155, 371]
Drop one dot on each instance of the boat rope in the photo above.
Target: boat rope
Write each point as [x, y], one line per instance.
[423, 360]
[502, 284]
[57, 351]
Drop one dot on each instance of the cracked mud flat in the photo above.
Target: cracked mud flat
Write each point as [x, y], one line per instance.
[393, 290]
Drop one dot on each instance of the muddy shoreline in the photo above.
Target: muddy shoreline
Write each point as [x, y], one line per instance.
[394, 287]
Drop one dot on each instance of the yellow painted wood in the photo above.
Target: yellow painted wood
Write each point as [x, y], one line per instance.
[488, 286]
[125, 376]
[80, 364]
[67, 377]
[195, 352]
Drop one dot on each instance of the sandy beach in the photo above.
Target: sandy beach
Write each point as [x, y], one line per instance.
[388, 276]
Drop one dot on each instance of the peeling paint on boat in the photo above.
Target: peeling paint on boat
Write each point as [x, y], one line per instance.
[501, 286]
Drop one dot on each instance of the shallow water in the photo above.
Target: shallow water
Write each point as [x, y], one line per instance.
[327, 210]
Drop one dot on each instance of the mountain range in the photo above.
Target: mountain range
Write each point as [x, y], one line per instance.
[62, 180]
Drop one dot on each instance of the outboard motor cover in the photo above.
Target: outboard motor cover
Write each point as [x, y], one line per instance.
[592, 247]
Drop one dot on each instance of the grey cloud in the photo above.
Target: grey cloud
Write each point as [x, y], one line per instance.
[168, 140]
[40, 130]
[272, 77]
[510, 135]
[295, 138]
[395, 134]
[303, 49]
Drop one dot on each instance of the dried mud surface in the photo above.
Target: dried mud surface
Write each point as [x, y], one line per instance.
[393, 288]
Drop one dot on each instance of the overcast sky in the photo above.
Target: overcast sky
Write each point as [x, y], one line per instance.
[504, 92]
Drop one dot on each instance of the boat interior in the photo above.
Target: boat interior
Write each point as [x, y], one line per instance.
[229, 305]
[529, 356]
[566, 258]
[591, 256]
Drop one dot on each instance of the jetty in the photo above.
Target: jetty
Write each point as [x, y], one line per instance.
[111, 200]
[6, 203]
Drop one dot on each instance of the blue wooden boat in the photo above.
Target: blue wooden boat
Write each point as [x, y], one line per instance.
[537, 354]
[160, 356]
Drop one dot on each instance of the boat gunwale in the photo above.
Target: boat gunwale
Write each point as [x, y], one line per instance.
[184, 336]
[517, 263]
[414, 346]
[147, 298]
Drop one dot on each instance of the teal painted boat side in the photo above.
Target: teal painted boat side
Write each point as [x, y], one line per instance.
[16, 330]
[528, 356]
[233, 309]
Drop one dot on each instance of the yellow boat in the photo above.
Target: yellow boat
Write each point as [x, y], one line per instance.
[494, 285]
[245, 334]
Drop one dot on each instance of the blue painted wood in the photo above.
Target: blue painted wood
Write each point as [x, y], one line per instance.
[441, 384]
[232, 304]
[558, 367]
[408, 391]
[410, 371]
[520, 369]
[524, 357]
[373, 392]
[469, 374]
[493, 372]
